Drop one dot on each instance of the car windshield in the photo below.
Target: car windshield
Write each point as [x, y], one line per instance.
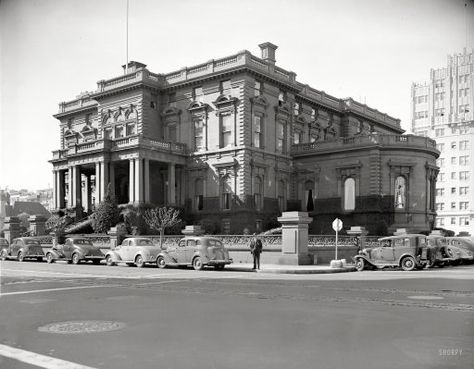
[215, 243]
[83, 242]
[3, 242]
[31, 242]
[143, 242]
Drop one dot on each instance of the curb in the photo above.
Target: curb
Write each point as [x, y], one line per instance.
[295, 271]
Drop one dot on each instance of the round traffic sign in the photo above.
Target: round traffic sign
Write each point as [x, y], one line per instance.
[337, 224]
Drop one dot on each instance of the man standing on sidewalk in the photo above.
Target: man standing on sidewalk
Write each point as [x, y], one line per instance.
[256, 250]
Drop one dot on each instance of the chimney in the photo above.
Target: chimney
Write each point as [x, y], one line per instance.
[268, 52]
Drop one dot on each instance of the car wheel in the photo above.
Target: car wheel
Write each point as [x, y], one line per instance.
[109, 261]
[430, 263]
[130, 264]
[39, 259]
[75, 259]
[160, 262]
[408, 263]
[139, 262]
[49, 258]
[3, 255]
[219, 267]
[360, 264]
[96, 261]
[21, 257]
[197, 263]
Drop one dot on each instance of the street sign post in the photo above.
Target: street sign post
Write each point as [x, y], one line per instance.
[337, 226]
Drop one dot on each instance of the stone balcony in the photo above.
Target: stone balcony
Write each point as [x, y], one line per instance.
[119, 145]
[347, 143]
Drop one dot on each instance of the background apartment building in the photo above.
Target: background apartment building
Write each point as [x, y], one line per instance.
[443, 109]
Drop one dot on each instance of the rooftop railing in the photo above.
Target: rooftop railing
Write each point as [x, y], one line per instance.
[409, 141]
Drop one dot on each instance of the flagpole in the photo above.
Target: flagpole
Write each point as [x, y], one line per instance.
[126, 46]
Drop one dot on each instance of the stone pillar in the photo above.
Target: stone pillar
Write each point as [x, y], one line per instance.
[55, 189]
[104, 179]
[146, 171]
[77, 190]
[131, 181]
[171, 184]
[295, 238]
[70, 196]
[117, 235]
[138, 180]
[98, 199]
[112, 177]
[11, 228]
[37, 225]
[61, 185]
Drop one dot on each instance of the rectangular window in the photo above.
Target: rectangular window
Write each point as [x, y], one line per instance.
[225, 87]
[463, 190]
[296, 108]
[463, 205]
[439, 132]
[198, 94]
[119, 132]
[226, 130]
[172, 99]
[441, 177]
[199, 202]
[453, 190]
[440, 192]
[280, 143]
[172, 133]
[108, 133]
[313, 113]
[453, 175]
[463, 145]
[453, 220]
[463, 176]
[131, 129]
[226, 201]
[297, 137]
[199, 135]
[257, 131]
[258, 88]
[440, 162]
[464, 160]
[464, 221]
[453, 144]
[439, 206]
[281, 97]
[453, 160]
[453, 205]
[440, 147]
[440, 222]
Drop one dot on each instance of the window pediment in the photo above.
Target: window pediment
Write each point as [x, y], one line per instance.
[197, 106]
[260, 101]
[170, 112]
[300, 120]
[283, 111]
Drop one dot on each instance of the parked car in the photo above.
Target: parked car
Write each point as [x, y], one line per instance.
[74, 250]
[461, 248]
[134, 251]
[3, 244]
[407, 251]
[196, 251]
[438, 251]
[23, 248]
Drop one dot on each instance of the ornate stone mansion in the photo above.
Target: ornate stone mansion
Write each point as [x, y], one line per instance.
[236, 141]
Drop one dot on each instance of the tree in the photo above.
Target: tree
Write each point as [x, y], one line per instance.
[57, 224]
[107, 213]
[162, 218]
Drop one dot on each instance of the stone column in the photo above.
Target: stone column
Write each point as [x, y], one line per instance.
[171, 184]
[98, 198]
[77, 191]
[70, 196]
[61, 185]
[104, 179]
[55, 189]
[37, 225]
[112, 177]
[146, 170]
[131, 181]
[11, 228]
[138, 180]
[295, 238]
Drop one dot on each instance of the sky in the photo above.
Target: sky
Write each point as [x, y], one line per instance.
[52, 50]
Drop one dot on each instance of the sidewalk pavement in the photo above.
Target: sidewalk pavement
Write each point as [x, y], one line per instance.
[288, 269]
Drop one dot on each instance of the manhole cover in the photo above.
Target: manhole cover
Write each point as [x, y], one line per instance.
[82, 326]
[426, 297]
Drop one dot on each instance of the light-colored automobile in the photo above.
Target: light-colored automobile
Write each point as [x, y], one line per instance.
[23, 248]
[74, 250]
[195, 251]
[408, 251]
[438, 251]
[3, 244]
[134, 251]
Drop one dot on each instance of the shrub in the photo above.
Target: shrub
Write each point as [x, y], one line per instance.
[107, 213]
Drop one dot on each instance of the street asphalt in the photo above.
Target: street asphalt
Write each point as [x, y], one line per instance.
[86, 316]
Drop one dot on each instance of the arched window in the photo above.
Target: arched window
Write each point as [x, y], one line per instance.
[349, 194]
[309, 195]
[400, 193]
[226, 191]
[282, 195]
[258, 193]
[199, 194]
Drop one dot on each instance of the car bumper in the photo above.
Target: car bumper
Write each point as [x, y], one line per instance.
[34, 256]
[219, 262]
[89, 257]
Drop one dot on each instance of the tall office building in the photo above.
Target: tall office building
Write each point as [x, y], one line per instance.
[443, 109]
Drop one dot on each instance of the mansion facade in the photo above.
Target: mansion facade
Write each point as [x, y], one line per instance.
[236, 141]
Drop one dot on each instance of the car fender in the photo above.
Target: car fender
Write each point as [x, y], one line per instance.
[205, 258]
[166, 256]
[114, 255]
[405, 255]
[355, 258]
[143, 254]
[55, 254]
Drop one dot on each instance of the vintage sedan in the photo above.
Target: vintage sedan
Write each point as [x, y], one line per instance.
[134, 251]
[460, 248]
[75, 250]
[438, 251]
[23, 248]
[196, 251]
[408, 251]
